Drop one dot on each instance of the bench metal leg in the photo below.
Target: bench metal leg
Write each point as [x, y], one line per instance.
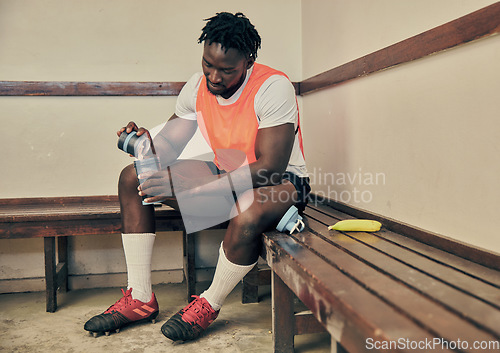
[49, 246]
[258, 276]
[283, 315]
[250, 292]
[190, 264]
[62, 267]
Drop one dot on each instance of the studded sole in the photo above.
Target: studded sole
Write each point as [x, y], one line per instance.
[152, 318]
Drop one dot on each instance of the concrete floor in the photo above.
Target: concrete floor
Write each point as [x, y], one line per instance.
[26, 327]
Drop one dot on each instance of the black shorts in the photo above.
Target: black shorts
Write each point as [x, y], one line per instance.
[303, 189]
[301, 184]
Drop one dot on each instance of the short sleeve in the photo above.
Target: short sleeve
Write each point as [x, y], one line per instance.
[275, 103]
[185, 106]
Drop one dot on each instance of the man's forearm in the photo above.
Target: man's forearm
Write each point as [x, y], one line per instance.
[173, 138]
[244, 178]
[166, 153]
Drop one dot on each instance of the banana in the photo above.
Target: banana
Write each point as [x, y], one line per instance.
[356, 225]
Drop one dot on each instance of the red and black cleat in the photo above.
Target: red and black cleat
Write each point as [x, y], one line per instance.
[124, 312]
[191, 321]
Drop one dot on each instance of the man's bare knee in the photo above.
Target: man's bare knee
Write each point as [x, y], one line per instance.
[248, 224]
[128, 180]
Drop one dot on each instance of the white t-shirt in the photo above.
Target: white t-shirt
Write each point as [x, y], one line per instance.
[274, 105]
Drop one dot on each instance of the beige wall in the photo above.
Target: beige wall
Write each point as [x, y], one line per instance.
[70, 142]
[419, 142]
[61, 146]
[423, 137]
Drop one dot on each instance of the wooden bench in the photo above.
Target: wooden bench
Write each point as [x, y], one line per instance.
[396, 287]
[57, 218]
[400, 289]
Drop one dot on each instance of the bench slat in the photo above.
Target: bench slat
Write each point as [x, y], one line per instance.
[468, 267]
[395, 293]
[35, 214]
[66, 216]
[60, 208]
[478, 312]
[456, 247]
[170, 222]
[101, 199]
[470, 285]
[486, 292]
[472, 269]
[348, 310]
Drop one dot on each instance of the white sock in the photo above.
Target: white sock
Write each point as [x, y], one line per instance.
[227, 276]
[138, 250]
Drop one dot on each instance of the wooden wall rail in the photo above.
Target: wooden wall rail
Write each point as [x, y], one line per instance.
[476, 25]
[46, 88]
[61, 88]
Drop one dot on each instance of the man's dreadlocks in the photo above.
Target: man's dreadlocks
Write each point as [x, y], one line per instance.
[232, 31]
